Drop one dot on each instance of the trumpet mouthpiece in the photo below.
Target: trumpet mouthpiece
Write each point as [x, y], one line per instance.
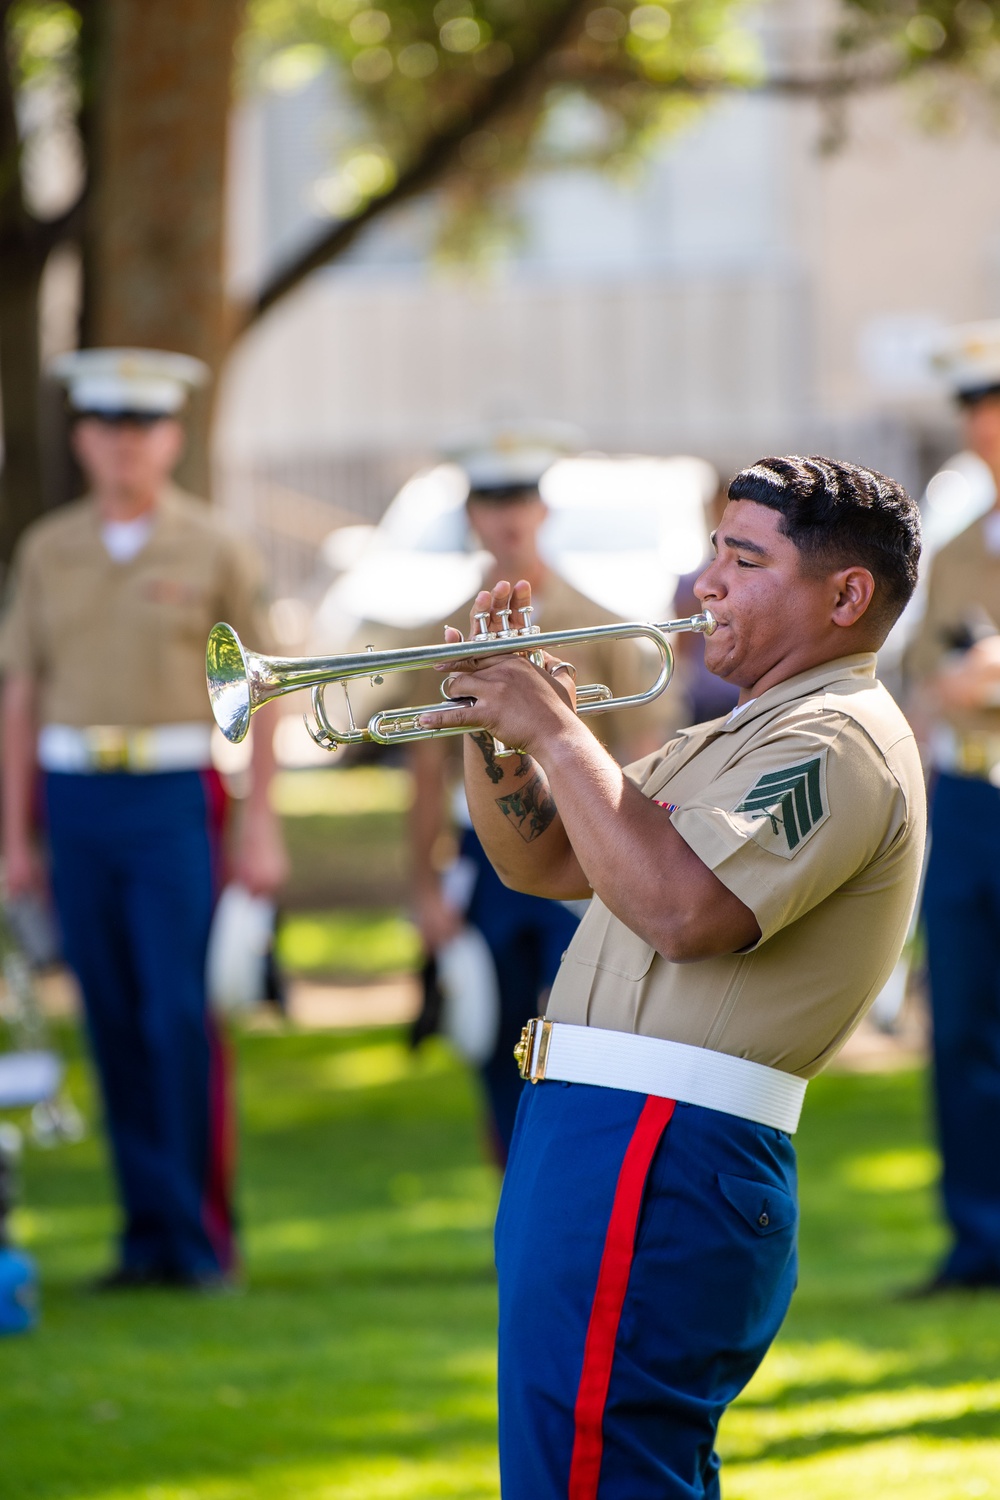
[228, 677]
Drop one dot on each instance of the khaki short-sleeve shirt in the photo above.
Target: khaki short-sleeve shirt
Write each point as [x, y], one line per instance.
[808, 806]
[963, 598]
[111, 643]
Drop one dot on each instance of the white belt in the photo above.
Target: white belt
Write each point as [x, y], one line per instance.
[107, 747]
[672, 1070]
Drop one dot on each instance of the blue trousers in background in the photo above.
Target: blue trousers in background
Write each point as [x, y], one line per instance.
[646, 1259]
[962, 917]
[134, 872]
[527, 937]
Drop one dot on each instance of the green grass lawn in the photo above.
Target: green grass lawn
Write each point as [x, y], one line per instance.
[359, 1364]
[348, 945]
[346, 835]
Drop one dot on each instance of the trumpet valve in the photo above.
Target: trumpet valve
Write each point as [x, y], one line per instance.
[377, 681]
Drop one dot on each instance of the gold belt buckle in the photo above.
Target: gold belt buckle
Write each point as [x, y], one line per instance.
[107, 746]
[978, 753]
[525, 1049]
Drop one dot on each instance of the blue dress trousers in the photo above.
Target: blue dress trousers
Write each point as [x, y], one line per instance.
[134, 870]
[646, 1255]
[962, 916]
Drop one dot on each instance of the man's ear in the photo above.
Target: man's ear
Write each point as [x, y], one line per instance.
[854, 591]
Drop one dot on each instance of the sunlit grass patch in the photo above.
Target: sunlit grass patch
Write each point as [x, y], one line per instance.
[794, 1368]
[348, 943]
[892, 1171]
[333, 793]
[901, 1468]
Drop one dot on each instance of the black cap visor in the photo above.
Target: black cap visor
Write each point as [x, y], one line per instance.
[122, 416]
[503, 494]
[973, 394]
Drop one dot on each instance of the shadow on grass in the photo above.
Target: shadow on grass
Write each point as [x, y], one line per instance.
[969, 1426]
[855, 1367]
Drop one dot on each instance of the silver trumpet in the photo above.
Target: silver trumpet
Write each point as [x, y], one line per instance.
[241, 681]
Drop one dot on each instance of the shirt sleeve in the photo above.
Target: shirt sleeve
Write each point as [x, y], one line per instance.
[796, 818]
[20, 644]
[943, 623]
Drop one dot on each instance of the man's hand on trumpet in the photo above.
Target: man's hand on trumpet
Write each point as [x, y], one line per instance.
[519, 703]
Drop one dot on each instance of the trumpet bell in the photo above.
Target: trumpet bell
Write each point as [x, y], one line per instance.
[229, 676]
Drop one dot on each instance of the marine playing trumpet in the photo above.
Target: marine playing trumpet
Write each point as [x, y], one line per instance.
[241, 681]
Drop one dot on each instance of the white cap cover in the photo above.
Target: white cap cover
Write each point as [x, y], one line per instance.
[514, 456]
[470, 1016]
[235, 966]
[151, 382]
[969, 357]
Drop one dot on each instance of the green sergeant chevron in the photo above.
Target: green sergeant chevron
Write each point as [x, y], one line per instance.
[792, 799]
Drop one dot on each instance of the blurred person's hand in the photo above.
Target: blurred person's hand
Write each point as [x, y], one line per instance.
[973, 681]
[438, 921]
[23, 872]
[261, 860]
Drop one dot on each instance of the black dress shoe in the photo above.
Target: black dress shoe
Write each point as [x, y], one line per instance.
[128, 1279]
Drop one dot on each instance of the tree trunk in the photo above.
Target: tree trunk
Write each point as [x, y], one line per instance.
[21, 477]
[155, 226]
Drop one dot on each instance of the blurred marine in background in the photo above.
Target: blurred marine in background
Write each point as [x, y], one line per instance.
[106, 733]
[526, 935]
[953, 674]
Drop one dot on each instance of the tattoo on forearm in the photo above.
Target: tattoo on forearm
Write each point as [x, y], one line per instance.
[524, 765]
[530, 809]
[487, 746]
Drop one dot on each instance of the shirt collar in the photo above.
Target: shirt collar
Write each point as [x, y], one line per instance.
[860, 668]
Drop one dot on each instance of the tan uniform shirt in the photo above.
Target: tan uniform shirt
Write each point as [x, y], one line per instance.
[113, 643]
[963, 600]
[623, 666]
[808, 806]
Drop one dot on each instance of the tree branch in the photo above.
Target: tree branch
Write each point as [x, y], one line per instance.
[438, 156]
[442, 152]
[821, 86]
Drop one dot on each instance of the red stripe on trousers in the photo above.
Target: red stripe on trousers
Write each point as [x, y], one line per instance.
[216, 1200]
[609, 1299]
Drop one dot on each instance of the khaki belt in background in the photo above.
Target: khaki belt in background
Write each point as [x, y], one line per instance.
[670, 1070]
[967, 752]
[110, 747]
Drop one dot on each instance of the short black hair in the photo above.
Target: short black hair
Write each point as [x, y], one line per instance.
[839, 513]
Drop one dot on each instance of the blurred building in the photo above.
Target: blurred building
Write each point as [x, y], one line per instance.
[746, 293]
